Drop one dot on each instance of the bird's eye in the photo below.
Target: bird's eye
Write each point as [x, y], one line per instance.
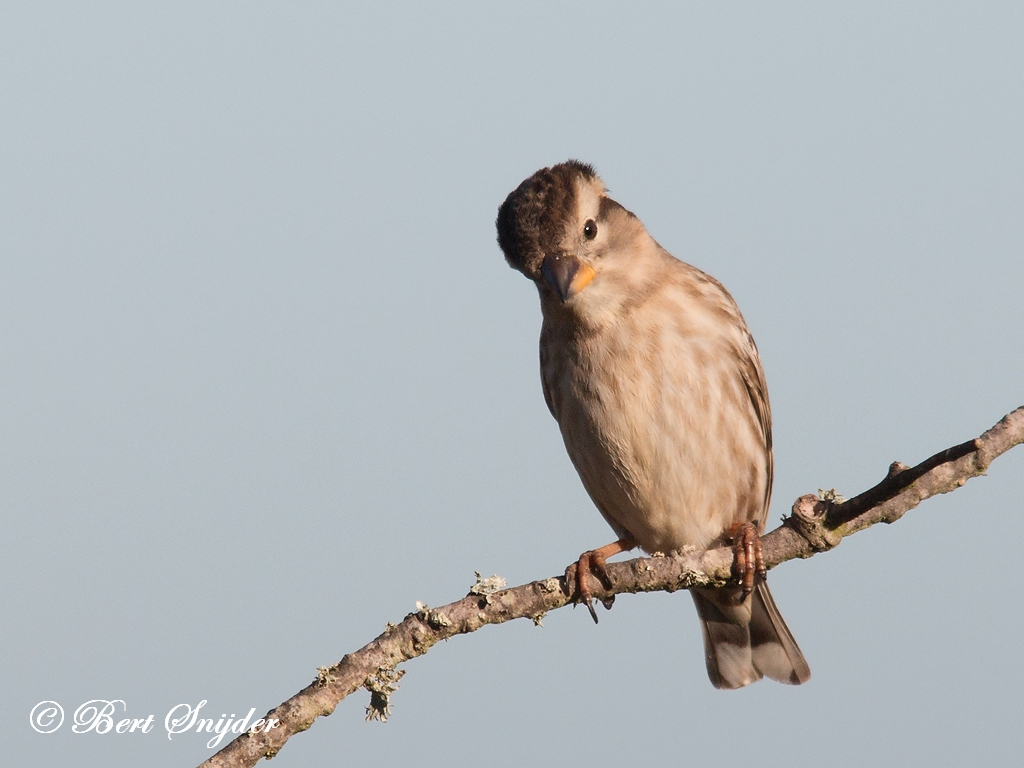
[590, 229]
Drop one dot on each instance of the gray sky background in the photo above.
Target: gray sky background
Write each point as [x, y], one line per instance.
[266, 380]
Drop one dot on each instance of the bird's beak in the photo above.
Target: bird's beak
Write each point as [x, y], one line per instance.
[566, 274]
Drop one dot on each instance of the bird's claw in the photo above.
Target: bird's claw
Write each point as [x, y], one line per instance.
[592, 562]
[749, 562]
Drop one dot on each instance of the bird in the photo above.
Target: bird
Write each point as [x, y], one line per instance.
[656, 384]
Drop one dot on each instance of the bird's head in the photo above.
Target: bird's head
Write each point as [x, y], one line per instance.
[561, 230]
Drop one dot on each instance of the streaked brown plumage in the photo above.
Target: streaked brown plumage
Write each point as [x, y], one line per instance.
[657, 387]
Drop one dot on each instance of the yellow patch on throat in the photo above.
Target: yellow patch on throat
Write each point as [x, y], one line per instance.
[582, 279]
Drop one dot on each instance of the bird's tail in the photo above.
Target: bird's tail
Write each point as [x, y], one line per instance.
[744, 640]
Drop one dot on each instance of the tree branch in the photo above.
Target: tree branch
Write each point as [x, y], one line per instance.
[817, 524]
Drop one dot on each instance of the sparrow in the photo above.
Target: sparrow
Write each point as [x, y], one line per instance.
[653, 377]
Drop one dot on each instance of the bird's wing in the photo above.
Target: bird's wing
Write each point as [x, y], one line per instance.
[544, 366]
[757, 391]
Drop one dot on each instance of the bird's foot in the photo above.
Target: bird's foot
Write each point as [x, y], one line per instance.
[749, 562]
[594, 562]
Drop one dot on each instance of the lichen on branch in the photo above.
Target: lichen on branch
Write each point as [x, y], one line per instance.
[818, 524]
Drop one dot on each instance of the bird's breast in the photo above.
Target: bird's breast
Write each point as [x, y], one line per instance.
[660, 429]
